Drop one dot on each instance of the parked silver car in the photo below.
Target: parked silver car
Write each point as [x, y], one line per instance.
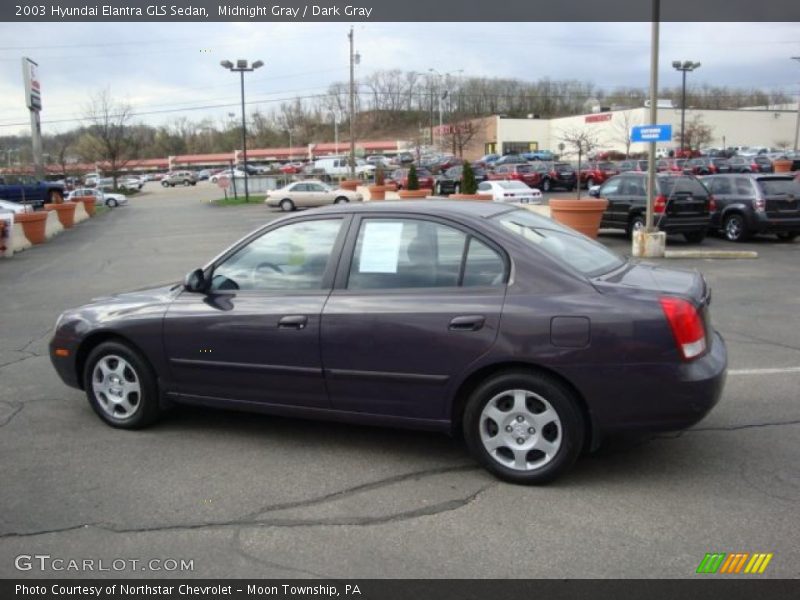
[306, 194]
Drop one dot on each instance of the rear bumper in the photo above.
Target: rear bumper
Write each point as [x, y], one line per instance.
[762, 223]
[661, 397]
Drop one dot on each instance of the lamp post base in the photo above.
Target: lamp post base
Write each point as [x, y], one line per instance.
[646, 244]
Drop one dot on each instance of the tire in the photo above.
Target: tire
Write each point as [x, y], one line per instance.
[506, 432]
[734, 228]
[112, 203]
[186, 183]
[695, 237]
[165, 184]
[457, 188]
[546, 187]
[286, 205]
[634, 223]
[787, 236]
[121, 386]
[340, 200]
[437, 190]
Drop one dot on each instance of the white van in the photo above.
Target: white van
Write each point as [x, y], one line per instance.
[339, 166]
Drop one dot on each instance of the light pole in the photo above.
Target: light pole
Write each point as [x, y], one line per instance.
[355, 58]
[241, 67]
[684, 67]
[797, 123]
[442, 96]
[335, 131]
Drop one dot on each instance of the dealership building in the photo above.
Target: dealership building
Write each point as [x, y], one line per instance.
[742, 127]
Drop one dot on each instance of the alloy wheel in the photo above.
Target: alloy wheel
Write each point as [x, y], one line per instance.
[116, 386]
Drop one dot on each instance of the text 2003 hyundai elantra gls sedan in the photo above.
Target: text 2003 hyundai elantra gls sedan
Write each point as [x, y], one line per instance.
[531, 339]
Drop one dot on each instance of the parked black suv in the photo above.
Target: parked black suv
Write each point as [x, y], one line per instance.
[750, 164]
[751, 203]
[449, 182]
[682, 204]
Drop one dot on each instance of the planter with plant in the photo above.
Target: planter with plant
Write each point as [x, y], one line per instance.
[582, 215]
[413, 190]
[65, 212]
[377, 191]
[469, 186]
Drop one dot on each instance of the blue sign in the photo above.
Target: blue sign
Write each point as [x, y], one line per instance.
[651, 133]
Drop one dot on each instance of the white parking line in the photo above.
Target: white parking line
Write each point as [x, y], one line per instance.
[764, 371]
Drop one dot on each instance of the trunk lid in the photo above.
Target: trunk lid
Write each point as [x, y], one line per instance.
[661, 280]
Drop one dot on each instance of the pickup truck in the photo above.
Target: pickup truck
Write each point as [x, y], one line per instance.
[26, 189]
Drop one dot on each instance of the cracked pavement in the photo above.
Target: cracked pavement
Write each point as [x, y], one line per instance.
[256, 496]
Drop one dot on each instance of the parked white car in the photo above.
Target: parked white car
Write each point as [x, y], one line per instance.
[130, 183]
[15, 207]
[339, 166]
[308, 194]
[100, 198]
[510, 191]
[238, 173]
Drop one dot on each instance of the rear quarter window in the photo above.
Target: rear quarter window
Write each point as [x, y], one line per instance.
[779, 187]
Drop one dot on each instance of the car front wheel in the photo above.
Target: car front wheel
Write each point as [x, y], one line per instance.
[165, 184]
[286, 205]
[121, 386]
[523, 427]
[112, 203]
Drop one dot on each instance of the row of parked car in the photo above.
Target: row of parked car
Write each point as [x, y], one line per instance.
[738, 205]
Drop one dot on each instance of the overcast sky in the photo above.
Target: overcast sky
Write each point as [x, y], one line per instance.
[165, 66]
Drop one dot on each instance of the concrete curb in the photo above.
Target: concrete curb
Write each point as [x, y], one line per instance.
[80, 213]
[52, 226]
[710, 254]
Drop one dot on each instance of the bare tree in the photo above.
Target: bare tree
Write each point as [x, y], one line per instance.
[583, 141]
[695, 134]
[107, 136]
[622, 129]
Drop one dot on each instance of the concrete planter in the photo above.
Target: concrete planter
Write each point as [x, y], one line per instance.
[782, 166]
[33, 225]
[350, 184]
[377, 192]
[391, 187]
[65, 212]
[471, 197]
[582, 215]
[88, 203]
[412, 194]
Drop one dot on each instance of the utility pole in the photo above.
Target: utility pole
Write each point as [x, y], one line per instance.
[352, 109]
[797, 123]
[684, 67]
[651, 155]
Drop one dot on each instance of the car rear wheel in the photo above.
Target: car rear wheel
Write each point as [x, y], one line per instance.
[121, 386]
[112, 202]
[734, 228]
[341, 199]
[546, 185]
[523, 427]
[286, 205]
[787, 236]
[165, 183]
[187, 183]
[635, 224]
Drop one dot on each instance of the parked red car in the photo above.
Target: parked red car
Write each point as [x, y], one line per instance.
[520, 172]
[400, 177]
[672, 165]
[596, 173]
[290, 169]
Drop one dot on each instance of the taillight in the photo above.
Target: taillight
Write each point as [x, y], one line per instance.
[712, 204]
[686, 324]
[754, 166]
[660, 204]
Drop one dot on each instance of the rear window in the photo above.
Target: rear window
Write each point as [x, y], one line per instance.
[524, 169]
[779, 187]
[681, 185]
[564, 245]
[563, 166]
[606, 166]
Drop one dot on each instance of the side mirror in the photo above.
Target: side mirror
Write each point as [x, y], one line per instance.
[594, 192]
[195, 281]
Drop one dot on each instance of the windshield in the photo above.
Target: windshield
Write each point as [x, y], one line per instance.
[561, 243]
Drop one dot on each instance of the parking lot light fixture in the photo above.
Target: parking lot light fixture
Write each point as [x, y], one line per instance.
[242, 67]
[684, 67]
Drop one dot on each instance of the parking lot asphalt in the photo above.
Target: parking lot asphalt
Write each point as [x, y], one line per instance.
[255, 496]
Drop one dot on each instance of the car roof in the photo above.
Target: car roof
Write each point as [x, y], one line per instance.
[477, 208]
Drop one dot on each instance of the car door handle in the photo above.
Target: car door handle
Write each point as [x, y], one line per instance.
[293, 322]
[467, 323]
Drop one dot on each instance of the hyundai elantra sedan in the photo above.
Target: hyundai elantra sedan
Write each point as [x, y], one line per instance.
[473, 318]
